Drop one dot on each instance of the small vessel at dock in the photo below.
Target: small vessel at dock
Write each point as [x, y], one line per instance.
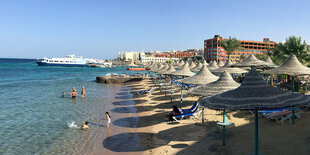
[68, 61]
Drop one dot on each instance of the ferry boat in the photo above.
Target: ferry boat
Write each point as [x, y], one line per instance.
[68, 61]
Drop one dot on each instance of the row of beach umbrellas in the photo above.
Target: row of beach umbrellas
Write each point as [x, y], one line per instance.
[252, 94]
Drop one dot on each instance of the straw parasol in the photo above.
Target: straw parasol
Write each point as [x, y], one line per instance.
[252, 61]
[180, 64]
[198, 67]
[268, 60]
[220, 64]
[155, 68]
[184, 71]
[192, 65]
[232, 70]
[169, 70]
[164, 69]
[213, 65]
[254, 93]
[290, 67]
[223, 84]
[204, 76]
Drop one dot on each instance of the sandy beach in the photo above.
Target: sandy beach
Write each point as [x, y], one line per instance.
[190, 136]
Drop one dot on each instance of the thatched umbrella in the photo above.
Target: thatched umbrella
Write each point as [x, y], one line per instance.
[192, 65]
[180, 64]
[160, 72]
[198, 67]
[268, 60]
[252, 61]
[204, 76]
[227, 68]
[168, 72]
[213, 65]
[164, 69]
[290, 67]
[223, 84]
[220, 64]
[254, 94]
[184, 72]
[155, 69]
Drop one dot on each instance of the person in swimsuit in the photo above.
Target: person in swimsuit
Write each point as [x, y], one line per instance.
[63, 94]
[73, 93]
[108, 118]
[83, 92]
[85, 126]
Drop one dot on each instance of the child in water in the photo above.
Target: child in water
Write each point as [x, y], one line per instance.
[63, 94]
[108, 118]
[85, 126]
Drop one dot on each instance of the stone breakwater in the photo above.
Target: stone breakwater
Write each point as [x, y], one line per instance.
[117, 79]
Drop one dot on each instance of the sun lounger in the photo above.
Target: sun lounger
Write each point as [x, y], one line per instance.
[191, 109]
[150, 91]
[192, 113]
[281, 116]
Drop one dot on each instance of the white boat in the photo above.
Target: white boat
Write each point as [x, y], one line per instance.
[68, 61]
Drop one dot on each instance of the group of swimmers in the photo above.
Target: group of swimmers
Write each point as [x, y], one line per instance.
[107, 117]
[73, 93]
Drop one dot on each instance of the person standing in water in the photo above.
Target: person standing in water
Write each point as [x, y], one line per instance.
[83, 92]
[108, 118]
[73, 92]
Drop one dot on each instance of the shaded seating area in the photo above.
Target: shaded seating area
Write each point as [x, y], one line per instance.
[281, 114]
[150, 91]
[189, 113]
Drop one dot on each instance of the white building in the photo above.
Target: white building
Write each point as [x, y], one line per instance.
[129, 56]
[157, 59]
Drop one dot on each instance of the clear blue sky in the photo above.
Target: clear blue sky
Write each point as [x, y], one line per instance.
[100, 28]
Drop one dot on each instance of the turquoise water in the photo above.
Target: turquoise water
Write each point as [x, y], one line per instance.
[35, 119]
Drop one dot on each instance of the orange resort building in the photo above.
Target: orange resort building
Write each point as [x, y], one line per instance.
[214, 51]
[176, 54]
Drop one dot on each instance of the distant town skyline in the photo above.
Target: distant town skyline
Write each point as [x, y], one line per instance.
[101, 29]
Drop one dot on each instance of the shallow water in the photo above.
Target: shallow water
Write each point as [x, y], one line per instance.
[36, 120]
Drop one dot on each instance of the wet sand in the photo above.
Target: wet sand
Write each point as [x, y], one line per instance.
[190, 136]
[104, 137]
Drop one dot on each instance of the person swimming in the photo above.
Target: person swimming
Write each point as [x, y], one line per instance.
[108, 118]
[83, 92]
[85, 126]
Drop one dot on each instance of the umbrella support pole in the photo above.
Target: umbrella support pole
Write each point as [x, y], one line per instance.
[224, 140]
[293, 86]
[171, 90]
[203, 115]
[256, 133]
[293, 116]
[161, 84]
[181, 96]
[165, 85]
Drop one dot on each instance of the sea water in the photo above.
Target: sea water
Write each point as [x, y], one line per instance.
[35, 119]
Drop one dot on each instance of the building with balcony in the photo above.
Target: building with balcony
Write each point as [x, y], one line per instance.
[214, 51]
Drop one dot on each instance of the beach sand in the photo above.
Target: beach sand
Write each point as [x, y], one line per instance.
[190, 136]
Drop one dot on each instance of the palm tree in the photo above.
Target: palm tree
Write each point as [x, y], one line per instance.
[230, 45]
[292, 45]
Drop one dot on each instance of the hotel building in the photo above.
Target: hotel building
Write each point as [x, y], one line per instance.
[214, 51]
